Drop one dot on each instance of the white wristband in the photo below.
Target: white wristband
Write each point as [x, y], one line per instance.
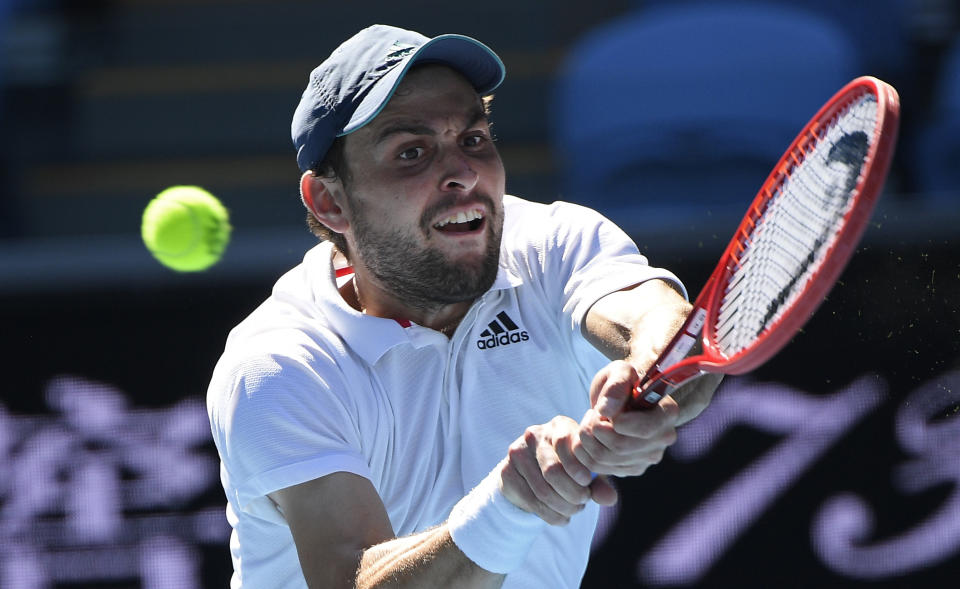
[493, 532]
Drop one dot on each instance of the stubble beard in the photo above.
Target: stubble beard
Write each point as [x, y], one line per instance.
[421, 276]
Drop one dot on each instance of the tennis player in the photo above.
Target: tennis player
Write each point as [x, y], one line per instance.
[423, 400]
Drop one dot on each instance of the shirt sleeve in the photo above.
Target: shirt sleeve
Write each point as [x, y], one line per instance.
[283, 418]
[586, 257]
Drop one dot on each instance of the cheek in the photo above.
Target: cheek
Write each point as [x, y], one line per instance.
[392, 191]
[496, 175]
[386, 214]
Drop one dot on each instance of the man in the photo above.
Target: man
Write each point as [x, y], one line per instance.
[425, 399]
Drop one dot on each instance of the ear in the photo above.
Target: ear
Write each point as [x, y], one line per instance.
[322, 197]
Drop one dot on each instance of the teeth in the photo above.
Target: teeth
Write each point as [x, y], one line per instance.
[461, 217]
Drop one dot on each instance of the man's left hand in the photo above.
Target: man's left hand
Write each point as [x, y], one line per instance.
[614, 441]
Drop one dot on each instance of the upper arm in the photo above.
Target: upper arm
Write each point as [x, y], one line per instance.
[333, 519]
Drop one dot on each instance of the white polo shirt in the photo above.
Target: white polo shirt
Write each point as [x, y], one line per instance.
[308, 386]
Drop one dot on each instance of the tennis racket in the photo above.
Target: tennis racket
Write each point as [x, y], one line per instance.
[791, 246]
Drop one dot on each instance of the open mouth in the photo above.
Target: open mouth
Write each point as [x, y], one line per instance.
[462, 222]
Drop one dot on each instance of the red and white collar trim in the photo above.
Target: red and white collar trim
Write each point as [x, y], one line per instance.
[348, 271]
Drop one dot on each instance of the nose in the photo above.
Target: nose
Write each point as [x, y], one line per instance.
[458, 173]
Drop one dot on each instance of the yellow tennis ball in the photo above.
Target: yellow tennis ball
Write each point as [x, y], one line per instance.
[186, 228]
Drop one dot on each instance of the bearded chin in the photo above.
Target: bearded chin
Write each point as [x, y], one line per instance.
[421, 277]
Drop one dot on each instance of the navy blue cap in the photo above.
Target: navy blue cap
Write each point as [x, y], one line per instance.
[353, 85]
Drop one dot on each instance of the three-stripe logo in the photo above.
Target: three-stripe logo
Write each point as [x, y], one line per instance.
[502, 331]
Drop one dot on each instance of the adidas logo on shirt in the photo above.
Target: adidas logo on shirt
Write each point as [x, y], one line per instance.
[502, 331]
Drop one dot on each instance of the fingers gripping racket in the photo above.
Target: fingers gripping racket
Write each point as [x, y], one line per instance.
[791, 246]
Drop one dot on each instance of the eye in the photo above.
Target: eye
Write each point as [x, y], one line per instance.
[474, 140]
[411, 153]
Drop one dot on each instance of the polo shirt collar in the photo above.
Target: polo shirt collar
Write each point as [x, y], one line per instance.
[370, 337]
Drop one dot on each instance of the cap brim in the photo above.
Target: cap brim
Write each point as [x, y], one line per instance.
[477, 62]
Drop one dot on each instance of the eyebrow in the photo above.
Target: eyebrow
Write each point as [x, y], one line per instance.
[416, 127]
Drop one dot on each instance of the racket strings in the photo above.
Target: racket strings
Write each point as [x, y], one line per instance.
[796, 229]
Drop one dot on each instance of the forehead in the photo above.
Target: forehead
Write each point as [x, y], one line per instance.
[429, 91]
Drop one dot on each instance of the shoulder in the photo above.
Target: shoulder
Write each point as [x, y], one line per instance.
[540, 230]
[557, 222]
[274, 367]
[291, 328]
[280, 356]
[274, 396]
[519, 210]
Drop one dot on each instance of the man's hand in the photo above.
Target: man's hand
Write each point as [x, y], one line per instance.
[616, 442]
[542, 475]
[637, 324]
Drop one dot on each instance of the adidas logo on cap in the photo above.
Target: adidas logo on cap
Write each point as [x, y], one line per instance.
[502, 331]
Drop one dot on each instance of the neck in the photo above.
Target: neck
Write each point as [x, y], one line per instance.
[367, 296]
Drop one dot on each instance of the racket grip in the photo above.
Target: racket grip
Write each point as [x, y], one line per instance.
[648, 397]
[648, 392]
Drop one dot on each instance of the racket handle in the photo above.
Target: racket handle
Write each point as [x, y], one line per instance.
[648, 397]
[673, 367]
[649, 391]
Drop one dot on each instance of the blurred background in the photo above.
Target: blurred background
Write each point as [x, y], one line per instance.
[834, 465]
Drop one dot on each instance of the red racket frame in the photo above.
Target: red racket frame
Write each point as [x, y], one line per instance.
[659, 381]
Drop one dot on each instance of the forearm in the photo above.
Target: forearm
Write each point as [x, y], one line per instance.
[636, 324]
[485, 537]
[428, 559]
[694, 396]
[344, 539]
